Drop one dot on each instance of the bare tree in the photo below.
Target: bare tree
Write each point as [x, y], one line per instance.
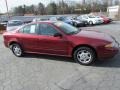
[41, 9]
[116, 2]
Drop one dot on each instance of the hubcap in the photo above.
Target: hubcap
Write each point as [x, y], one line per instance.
[84, 56]
[75, 24]
[17, 50]
[90, 23]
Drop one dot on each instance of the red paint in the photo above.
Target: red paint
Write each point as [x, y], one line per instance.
[62, 46]
[105, 19]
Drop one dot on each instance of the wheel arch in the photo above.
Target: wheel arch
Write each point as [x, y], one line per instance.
[84, 45]
[14, 42]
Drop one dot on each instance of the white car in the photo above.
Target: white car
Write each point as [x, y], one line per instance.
[36, 19]
[102, 21]
[14, 24]
[39, 19]
[92, 20]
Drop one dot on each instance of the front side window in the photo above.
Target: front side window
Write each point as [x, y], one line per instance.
[29, 29]
[46, 29]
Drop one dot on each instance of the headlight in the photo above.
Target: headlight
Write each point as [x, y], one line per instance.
[112, 45]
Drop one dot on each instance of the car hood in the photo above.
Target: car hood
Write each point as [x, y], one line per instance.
[94, 35]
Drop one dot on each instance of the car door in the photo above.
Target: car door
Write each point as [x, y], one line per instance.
[28, 37]
[50, 44]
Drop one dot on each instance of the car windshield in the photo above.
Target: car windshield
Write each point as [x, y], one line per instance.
[91, 16]
[84, 16]
[15, 23]
[67, 29]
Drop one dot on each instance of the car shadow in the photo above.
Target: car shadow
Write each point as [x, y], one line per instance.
[107, 63]
[49, 57]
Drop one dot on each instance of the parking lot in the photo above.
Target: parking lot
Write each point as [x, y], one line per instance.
[42, 72]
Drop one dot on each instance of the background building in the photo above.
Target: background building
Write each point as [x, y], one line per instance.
[114, 12]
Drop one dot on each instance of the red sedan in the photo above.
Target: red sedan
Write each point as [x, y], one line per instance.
[106, 19]
[61, 39]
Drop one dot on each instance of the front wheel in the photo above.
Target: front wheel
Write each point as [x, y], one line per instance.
[90, 23]
[84, 55]
[16, 49]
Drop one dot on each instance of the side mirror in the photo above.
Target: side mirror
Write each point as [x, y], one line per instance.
[57, 35]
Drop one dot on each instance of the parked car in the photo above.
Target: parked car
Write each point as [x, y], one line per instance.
[14, 24]
[106, 19]
[92, 20]
[101, 19]
[82, 20]
[39, 19]
[66, 20]
[61, 39]
[53, 19]
[76, 23]
[36, 20]
[4, 23]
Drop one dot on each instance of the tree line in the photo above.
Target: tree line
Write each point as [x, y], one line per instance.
[64, 8]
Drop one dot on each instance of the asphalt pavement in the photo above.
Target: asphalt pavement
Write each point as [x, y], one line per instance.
[43, 72]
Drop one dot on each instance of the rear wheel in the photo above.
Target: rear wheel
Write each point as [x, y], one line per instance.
[84, 55]
[16, 49]
[75, 24]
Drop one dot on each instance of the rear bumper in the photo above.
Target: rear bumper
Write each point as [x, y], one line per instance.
[106, 21]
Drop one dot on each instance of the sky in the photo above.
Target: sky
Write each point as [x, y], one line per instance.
[14, 3]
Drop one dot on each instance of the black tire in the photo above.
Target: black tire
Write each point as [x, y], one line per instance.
[75, 24]
[85, 25]
[90, 23]
[17, 47]
[89, 55]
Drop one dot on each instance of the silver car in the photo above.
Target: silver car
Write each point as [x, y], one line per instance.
[14, 24]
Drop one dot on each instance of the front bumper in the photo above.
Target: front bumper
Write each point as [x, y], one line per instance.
[106, 53]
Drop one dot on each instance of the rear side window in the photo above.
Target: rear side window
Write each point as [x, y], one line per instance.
[29, 29]
[46, 29]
